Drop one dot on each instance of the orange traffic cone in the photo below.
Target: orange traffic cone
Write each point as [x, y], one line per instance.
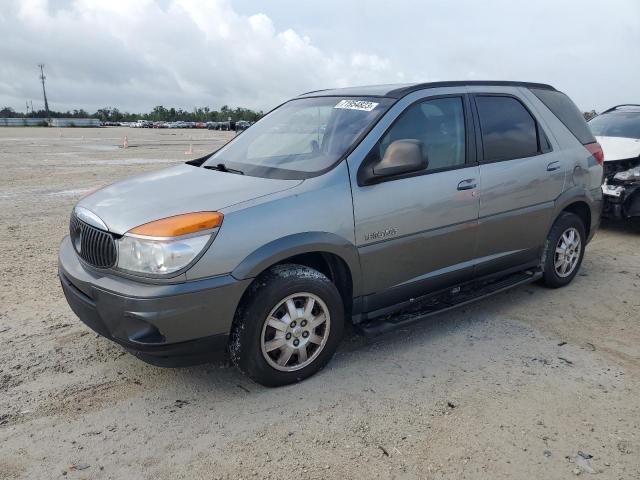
[125, 142]
[190, 151]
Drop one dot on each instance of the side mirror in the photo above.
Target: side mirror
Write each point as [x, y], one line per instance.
[402, 156]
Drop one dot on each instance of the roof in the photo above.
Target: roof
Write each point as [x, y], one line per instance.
[625, 107]
[400, 90]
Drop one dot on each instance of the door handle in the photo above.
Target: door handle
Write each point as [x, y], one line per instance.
[553, 166]
[468, 184]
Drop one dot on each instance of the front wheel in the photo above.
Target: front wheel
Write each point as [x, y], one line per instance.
[564, 250]
[288, 326]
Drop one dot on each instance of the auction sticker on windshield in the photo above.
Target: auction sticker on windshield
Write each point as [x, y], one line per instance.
[356, 105]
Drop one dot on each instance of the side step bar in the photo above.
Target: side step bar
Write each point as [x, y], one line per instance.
[433, 304]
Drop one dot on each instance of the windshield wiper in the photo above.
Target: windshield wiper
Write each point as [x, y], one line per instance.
[221, 167]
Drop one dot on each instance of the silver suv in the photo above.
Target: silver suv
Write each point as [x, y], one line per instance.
[375, 205]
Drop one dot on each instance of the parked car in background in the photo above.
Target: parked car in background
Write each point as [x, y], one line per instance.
[142, 124]
[373, 205]
[242, 125]
[618, 131]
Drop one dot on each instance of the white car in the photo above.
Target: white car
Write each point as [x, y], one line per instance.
[618, 132]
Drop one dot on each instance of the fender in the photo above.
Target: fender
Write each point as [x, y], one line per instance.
[593, 199]
[299, 243]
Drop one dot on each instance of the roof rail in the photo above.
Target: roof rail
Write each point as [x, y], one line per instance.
[400, 90]
[620, 106]
[404, 90]
[314, 91]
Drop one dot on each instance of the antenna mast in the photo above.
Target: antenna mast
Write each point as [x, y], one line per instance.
[44, 92]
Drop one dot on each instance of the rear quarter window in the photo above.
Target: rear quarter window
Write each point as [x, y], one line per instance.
[567, 112]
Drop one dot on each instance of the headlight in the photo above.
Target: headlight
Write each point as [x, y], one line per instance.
[158, 257]
[631, 174]
[167, 245]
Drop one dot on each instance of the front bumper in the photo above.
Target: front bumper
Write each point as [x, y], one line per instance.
[161, 323]
[621, 200]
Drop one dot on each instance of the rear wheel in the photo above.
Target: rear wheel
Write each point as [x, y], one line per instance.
[564, 250]
[288, 327]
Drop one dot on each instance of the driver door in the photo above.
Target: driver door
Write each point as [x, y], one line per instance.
[417, 232]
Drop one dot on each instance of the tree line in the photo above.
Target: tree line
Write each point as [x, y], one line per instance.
[159, 113]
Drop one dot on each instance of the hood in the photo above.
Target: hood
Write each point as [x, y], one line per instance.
[619, 148]
[174, 191]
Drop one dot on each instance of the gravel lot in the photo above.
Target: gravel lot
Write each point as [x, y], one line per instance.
[511, 387]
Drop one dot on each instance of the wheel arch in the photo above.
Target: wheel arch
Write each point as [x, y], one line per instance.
[581, 204]
[334, 256]
[582, 211]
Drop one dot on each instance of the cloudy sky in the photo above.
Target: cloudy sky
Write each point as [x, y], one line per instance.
[137, 54]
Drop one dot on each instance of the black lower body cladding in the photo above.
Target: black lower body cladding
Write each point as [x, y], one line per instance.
[167, 325]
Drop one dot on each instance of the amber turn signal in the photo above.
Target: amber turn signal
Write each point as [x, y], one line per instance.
[180, 225]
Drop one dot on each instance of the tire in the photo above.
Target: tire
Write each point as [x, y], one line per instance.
[561, 268]
[264, 333]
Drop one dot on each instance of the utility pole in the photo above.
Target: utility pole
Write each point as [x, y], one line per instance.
[44, 92]
[27, 103]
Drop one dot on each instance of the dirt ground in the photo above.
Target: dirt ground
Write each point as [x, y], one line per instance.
[531, 383]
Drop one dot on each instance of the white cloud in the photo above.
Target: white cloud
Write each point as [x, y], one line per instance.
[135, 55]
[138, 54]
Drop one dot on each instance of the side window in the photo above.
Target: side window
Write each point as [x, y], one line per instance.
[567, 112]
[508, 129]
[439, 124]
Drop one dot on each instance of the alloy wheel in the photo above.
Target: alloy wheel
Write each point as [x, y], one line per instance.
[567, 254]
[295, 332]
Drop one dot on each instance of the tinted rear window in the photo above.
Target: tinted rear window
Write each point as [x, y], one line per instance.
[508, 129]
[567, 112]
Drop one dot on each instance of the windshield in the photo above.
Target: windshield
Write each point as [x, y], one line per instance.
[618, 124]
[301, 138]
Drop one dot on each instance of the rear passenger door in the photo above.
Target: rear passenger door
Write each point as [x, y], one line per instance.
[520, 177]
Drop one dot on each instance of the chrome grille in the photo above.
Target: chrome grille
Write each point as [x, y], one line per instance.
[95, 246]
